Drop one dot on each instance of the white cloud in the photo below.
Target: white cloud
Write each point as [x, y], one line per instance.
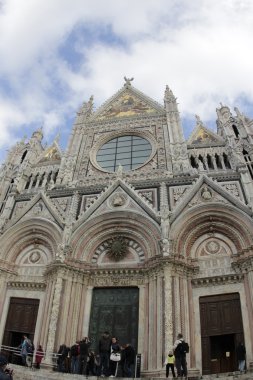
[201, 49]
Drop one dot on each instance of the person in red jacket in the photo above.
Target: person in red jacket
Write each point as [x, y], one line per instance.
[39, 356]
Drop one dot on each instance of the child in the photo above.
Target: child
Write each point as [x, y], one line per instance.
[39, 356]
[170, 364]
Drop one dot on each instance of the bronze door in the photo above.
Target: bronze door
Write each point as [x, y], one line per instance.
[21, 320]
[221, 331]
[115, 310]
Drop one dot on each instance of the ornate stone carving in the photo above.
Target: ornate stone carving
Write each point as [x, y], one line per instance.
[117, 248]
[35, 257]
[212, 246]
[118, 199]
[206, 193]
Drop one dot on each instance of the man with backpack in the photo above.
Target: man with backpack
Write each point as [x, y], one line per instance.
[181, 348]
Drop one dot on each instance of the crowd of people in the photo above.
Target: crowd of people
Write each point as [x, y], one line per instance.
[110, 360]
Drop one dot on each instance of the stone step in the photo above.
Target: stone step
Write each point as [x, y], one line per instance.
[22, 373]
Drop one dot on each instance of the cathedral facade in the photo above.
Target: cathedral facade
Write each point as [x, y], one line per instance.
[133, 230]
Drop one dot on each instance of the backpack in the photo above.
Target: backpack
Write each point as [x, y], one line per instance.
[30, 348]
[181, 349]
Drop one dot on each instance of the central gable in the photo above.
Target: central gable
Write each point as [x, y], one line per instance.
[128, 102]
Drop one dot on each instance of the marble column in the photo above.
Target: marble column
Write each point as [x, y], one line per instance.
[168, 307]
[54, 318]
[87, 310]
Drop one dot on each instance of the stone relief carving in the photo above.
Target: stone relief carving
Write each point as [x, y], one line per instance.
[61, 204]
[87, 201]
[118, 199]
[35, 257]
[206, 193]
[149, 195]
[232, 188]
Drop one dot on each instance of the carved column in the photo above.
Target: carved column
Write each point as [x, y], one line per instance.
[141, 327]
[168, 316]
[54, 317]
[2, 291]
[87, 310]
[76, 311]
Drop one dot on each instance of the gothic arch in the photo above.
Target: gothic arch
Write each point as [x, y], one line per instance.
[92, 234]
[226, 221]
[33, 231]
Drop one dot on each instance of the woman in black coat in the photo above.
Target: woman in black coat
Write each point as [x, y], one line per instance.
[115, 349]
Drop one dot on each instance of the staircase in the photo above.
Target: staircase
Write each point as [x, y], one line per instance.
[23, 373]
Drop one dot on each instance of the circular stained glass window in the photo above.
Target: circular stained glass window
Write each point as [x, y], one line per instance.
[128, 151]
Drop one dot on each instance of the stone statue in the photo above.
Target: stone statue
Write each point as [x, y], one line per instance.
[128, 81]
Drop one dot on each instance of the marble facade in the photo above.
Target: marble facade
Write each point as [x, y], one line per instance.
[182, 222]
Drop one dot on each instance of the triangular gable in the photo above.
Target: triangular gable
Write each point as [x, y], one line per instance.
[50, 154]
[40, 206]
[127, 102]
[203, 191]
[204, 136]
[118, 194]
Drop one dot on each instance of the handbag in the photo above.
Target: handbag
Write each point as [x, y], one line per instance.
[115, 357]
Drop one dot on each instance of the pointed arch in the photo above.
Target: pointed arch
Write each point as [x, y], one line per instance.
[211, 219]
[24, 233]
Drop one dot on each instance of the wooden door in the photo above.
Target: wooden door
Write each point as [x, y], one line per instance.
[221, 331]
[21, 320]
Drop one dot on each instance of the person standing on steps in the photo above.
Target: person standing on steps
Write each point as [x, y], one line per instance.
[180, 356]
[241, 357]
[104, 347]
[170, 364]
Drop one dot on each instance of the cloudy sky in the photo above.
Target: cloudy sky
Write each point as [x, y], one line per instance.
[54, 54]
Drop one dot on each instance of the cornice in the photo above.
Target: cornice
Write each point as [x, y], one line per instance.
[217, 280]
[35, 286]
[155, 264]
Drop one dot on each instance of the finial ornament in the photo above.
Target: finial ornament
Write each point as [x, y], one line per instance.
[120, 171]
[169, 96]
[87, 107]
[128, 81]
[57, 138]
[198, 120]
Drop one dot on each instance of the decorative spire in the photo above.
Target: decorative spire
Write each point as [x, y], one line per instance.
[223, 113]
[169, 96]
[87, 107]
[199, 122]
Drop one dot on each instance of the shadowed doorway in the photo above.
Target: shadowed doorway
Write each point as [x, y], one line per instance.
[221, 332]
[21, 320]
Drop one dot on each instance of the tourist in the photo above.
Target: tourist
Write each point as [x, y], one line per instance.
[24, 350]
[115, 357]
[5, 373]
[62, 357]
[241, 357]
[170, 364]
[180, 356]
[39, 355]
[104, 347]
[129, 353]
[91, 364]
[74, 357]
[83, 356]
